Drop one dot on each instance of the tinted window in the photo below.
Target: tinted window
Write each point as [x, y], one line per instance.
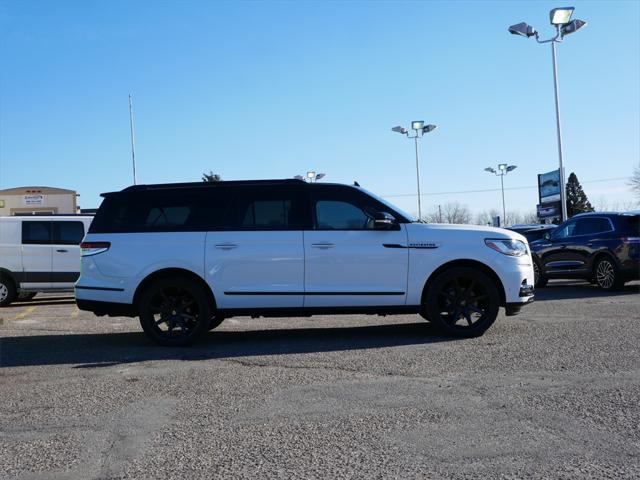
[68, 233]
[34, 233]
[267, 208]
[629, 225]
[564, 231]
[344, 208]
[338, 215]
[588, 226]
[162, 211]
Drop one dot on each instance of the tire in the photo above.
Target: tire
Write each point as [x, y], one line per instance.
[26, 296]
[175, 311]
[215, 321]
[462, 302]
[7, 291]
[540, 281]
[606, 274]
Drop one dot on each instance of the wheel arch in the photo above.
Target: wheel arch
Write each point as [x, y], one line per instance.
[8, 274]
[173, 272]
[466, 263]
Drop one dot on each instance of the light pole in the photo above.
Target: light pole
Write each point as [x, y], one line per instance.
[503, 169]
[419, 129]
[560, 18]
[133, 140]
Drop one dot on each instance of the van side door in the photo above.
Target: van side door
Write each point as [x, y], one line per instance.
[65, 251]
[36, 252]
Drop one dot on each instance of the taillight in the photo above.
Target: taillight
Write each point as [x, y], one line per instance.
[93, 248]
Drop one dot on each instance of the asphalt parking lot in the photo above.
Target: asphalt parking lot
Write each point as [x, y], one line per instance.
[553, 392]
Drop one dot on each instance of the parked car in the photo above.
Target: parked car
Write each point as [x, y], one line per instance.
[183, 257]
[534, 231]
[600, 247]
[39, 253]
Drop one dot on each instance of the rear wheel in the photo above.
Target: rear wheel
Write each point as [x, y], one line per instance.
[606, 274]
[175, 311]
[7, 291]
[463, 302]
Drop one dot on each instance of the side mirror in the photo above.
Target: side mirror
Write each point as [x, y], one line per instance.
[383, 220]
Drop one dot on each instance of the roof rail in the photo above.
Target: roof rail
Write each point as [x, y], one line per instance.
[161, 186]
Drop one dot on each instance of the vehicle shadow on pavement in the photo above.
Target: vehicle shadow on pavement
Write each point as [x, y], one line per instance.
[45, 301]
[107, 349]
[573, 290]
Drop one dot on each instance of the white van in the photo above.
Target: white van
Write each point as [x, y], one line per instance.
[39, 253]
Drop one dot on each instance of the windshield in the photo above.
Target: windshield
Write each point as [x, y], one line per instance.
[408, 216]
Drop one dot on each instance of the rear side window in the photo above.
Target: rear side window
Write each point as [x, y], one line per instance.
[589, 226]
[267, 208]
[162, 211]
[36, 233]
[68, 233]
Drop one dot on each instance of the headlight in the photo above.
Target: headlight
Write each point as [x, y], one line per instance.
[515, 248]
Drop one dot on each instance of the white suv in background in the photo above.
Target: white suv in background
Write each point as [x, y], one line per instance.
[183, 257]
[39, 253]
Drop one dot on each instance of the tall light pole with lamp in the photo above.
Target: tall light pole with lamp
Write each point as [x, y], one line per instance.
[419, 129]
[560, 18]
[503, 169]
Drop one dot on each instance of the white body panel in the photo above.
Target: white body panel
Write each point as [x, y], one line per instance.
[255, 263]
[356, 267]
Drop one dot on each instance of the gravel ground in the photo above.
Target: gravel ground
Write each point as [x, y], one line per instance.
[551, 393]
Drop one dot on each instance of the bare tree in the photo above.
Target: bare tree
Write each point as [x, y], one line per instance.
[452, 212]
[486, 217]
[634, 182]
[211, 177]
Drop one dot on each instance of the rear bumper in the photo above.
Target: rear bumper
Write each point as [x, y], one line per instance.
[107, 308]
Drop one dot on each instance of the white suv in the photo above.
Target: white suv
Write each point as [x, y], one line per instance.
[39, 253]
[183, 257]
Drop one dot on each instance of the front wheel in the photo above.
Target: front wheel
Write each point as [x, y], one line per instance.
[175, 311]
[606, 275]
[7, 291]
[462, 301]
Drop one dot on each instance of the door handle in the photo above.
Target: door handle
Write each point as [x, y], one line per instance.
[323, 245]
[62, 250]
[226, 246]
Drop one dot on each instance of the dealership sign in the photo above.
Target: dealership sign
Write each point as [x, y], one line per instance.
[33, 200]
[549, 187]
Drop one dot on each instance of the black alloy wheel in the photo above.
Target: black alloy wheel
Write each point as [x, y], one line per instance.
[175, 311]
[606, 275]
[462, 301]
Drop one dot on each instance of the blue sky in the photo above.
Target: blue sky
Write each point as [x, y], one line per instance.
[273, 89]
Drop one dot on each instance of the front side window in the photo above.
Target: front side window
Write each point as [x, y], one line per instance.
[36, 233]
[341, 215]
[567, 231]
[68, 233]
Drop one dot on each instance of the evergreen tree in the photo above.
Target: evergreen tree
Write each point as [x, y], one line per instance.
[577, 201]
[211, 177]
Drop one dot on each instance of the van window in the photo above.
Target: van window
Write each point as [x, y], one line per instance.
[68, 233]
[162, 211]
[36, 233]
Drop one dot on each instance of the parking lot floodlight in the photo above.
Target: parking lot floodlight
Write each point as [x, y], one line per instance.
[511, 168]
[523, 29]
[311, 175]
[502, 167]
[490, 170]
[428, 128]
[320, 175]
[399, 129]
[561, 16]
[417, 124]
[572, 27]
